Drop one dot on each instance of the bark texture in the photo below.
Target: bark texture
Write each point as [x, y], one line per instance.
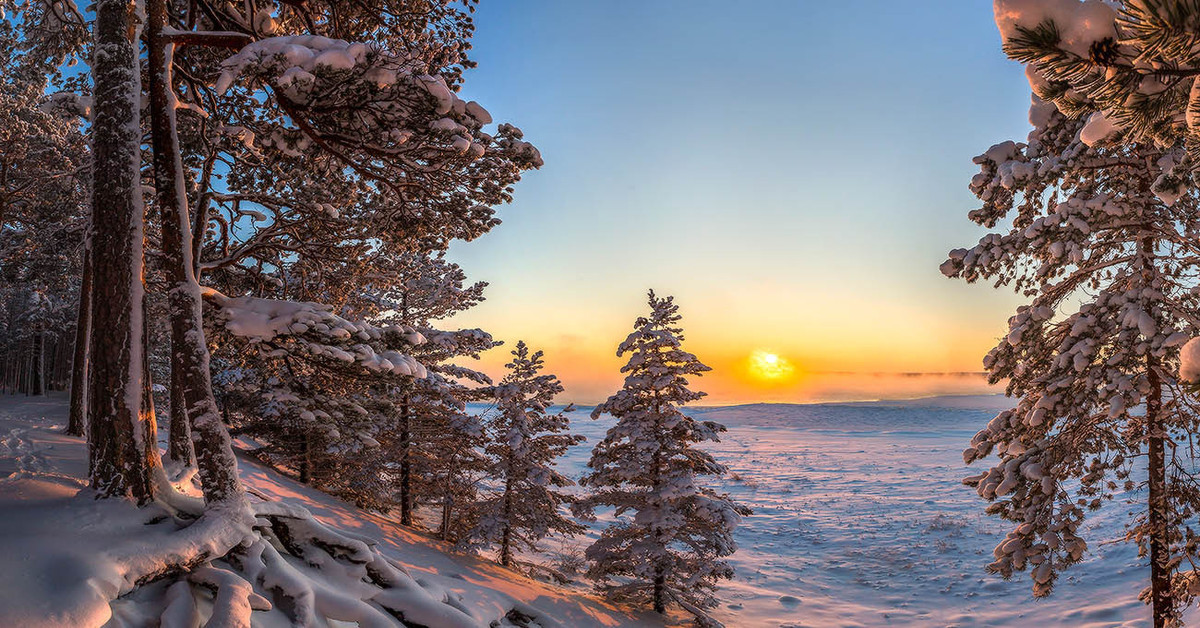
[120, 458]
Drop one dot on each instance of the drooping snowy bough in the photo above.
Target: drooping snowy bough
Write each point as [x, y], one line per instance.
[260, 186]
[1128, 67]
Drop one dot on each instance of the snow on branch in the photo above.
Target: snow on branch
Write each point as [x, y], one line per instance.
[359, 95]
[318, 331]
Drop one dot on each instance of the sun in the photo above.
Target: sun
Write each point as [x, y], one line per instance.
[770, 366]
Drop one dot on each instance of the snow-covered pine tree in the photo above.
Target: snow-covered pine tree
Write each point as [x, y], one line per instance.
[312, 384]
[671, 531]
[435, 440]
[122, 446]
[453, 471]
[524, 440]
[1093, 384]
[309, 180]
[434, 189]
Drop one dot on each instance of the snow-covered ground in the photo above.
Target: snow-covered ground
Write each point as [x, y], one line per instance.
[48, 538]
[860, 520]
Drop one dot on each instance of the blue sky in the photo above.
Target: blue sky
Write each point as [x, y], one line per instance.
[793, 173]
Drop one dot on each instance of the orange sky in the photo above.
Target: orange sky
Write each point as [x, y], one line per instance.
[827, 349]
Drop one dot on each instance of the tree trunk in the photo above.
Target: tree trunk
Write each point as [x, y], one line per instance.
[1160, 550]
[215, 461]
[37, 372]
[660, 578]
[306, 460]
[77, 419]
[447, 511]
[660, 589]
[448, 500]
[179, 438]
[1160, 544]
[506, 540]
[119, 428]
[506, 536]
[405, 463]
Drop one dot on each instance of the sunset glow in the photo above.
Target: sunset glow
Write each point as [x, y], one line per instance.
[770, 366]
[766, 248]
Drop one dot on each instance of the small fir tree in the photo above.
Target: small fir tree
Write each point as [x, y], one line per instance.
[525, 440]
[671, 531]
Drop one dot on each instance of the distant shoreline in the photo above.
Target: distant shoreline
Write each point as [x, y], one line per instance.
[823, 402]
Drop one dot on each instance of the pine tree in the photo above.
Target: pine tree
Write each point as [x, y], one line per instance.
[43, 216]
[434, 445]
[671, 531]
[312, 385]
[330, 150]
[121, 434]
[1093, 385]
[212, 178]
[525, 439]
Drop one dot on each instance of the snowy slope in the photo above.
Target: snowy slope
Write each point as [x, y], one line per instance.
[45, 533]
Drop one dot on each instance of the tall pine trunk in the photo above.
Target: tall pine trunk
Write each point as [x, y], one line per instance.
[38, 370]
[405, 462]
[1160, 545]
[306, 462]
[506, 535]
[660, 590]
[448, 501]
[660, 578]
[179, 435]
[215, 461]
[447, 512]
[77, 419]
[1160, 549]
[120, 431]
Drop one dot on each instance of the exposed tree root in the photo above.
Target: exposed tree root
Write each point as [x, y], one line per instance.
[269, 564]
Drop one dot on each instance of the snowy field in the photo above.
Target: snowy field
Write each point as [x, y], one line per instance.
[860, 520]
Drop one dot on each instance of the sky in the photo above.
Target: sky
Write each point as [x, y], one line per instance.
[793, 172]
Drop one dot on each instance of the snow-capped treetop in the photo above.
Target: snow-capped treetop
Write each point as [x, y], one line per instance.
[658, 367]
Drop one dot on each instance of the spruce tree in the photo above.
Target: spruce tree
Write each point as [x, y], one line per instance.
[671, 531]
[525, 439]
[1110, 272]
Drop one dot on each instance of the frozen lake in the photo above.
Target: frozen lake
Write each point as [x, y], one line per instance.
[861, 519]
